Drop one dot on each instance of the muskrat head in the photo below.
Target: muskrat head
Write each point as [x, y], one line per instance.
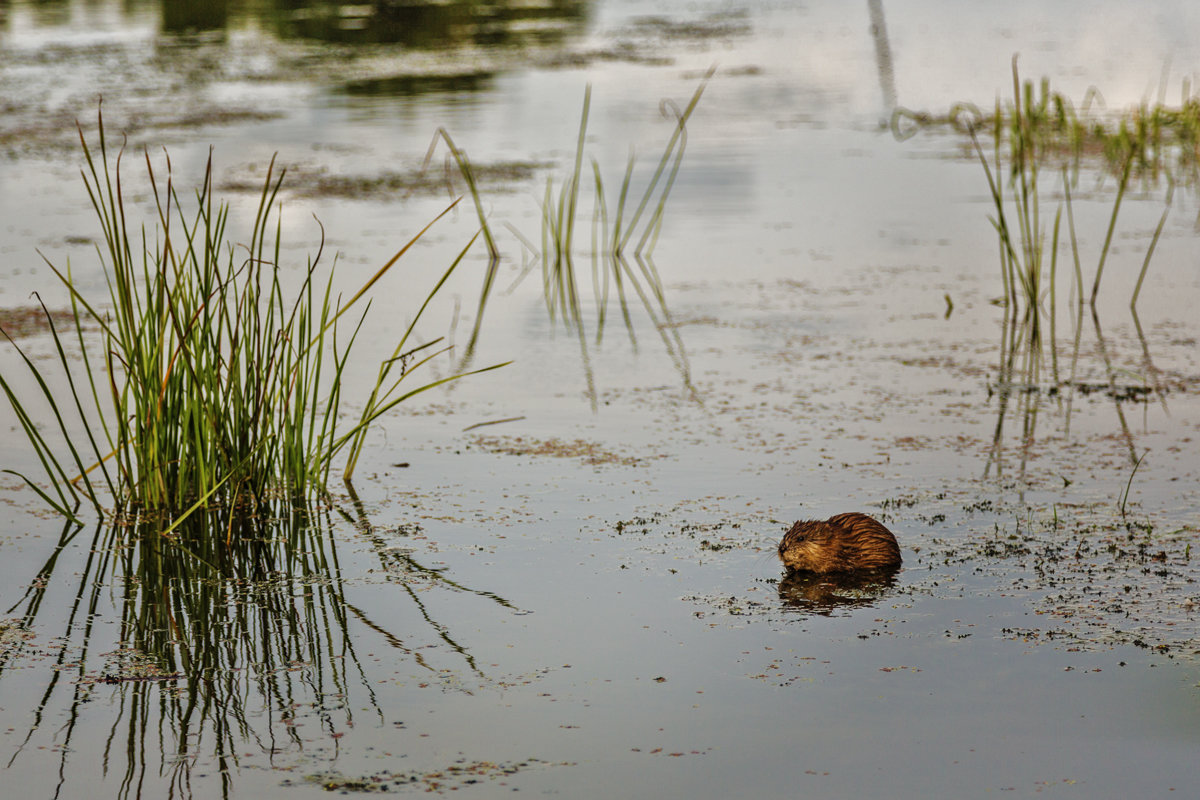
[809, 546]
[843, 543]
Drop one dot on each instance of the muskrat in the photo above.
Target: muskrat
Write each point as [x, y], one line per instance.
[845, 543]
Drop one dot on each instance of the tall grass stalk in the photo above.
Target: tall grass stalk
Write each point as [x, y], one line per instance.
[211, 380]
[1137, 289]
[462, 165]
[1112, 225]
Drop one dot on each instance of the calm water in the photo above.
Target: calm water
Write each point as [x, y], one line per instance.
[586, 604]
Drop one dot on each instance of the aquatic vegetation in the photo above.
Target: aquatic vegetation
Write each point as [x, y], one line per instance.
[216, 380]
[1129, 484]
[463, 165]
[618, 238]
[1157, 140]
[1022, 237]
[588, 452]
[450, 778]
[1040, 127]
[213, 380]
[1039, 130]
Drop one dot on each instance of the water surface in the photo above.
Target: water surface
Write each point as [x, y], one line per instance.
[586, 603]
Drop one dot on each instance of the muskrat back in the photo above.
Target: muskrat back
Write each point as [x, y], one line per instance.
[844, 543]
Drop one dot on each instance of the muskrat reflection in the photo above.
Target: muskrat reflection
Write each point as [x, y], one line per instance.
[825, 593]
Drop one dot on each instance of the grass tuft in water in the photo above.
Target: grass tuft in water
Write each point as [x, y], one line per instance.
[1145, 143]
[1037, 129]
[622, 240]
[1158, 140]
[217, 375]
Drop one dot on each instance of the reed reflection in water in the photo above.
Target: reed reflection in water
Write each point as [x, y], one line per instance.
[233, 643]
[1022, 391]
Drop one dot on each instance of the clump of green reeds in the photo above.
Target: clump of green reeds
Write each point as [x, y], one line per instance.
[1155, 140]
[1160, 140]
[1027, 136]
[614, 265]
[1041, 126]
[1021, 234]
[212, 380]
[1028, 127]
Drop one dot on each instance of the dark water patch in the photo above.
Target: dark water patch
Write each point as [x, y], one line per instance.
[416, 85]
[431, 25]
[42, 135]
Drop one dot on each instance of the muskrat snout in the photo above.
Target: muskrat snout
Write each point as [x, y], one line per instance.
[844, 543]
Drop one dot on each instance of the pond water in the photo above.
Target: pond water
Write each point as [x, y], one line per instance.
[563, 586]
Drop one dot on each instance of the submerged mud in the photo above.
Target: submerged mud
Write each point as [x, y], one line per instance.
[393, 186]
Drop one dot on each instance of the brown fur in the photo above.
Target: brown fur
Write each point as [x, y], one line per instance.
[844, 543]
